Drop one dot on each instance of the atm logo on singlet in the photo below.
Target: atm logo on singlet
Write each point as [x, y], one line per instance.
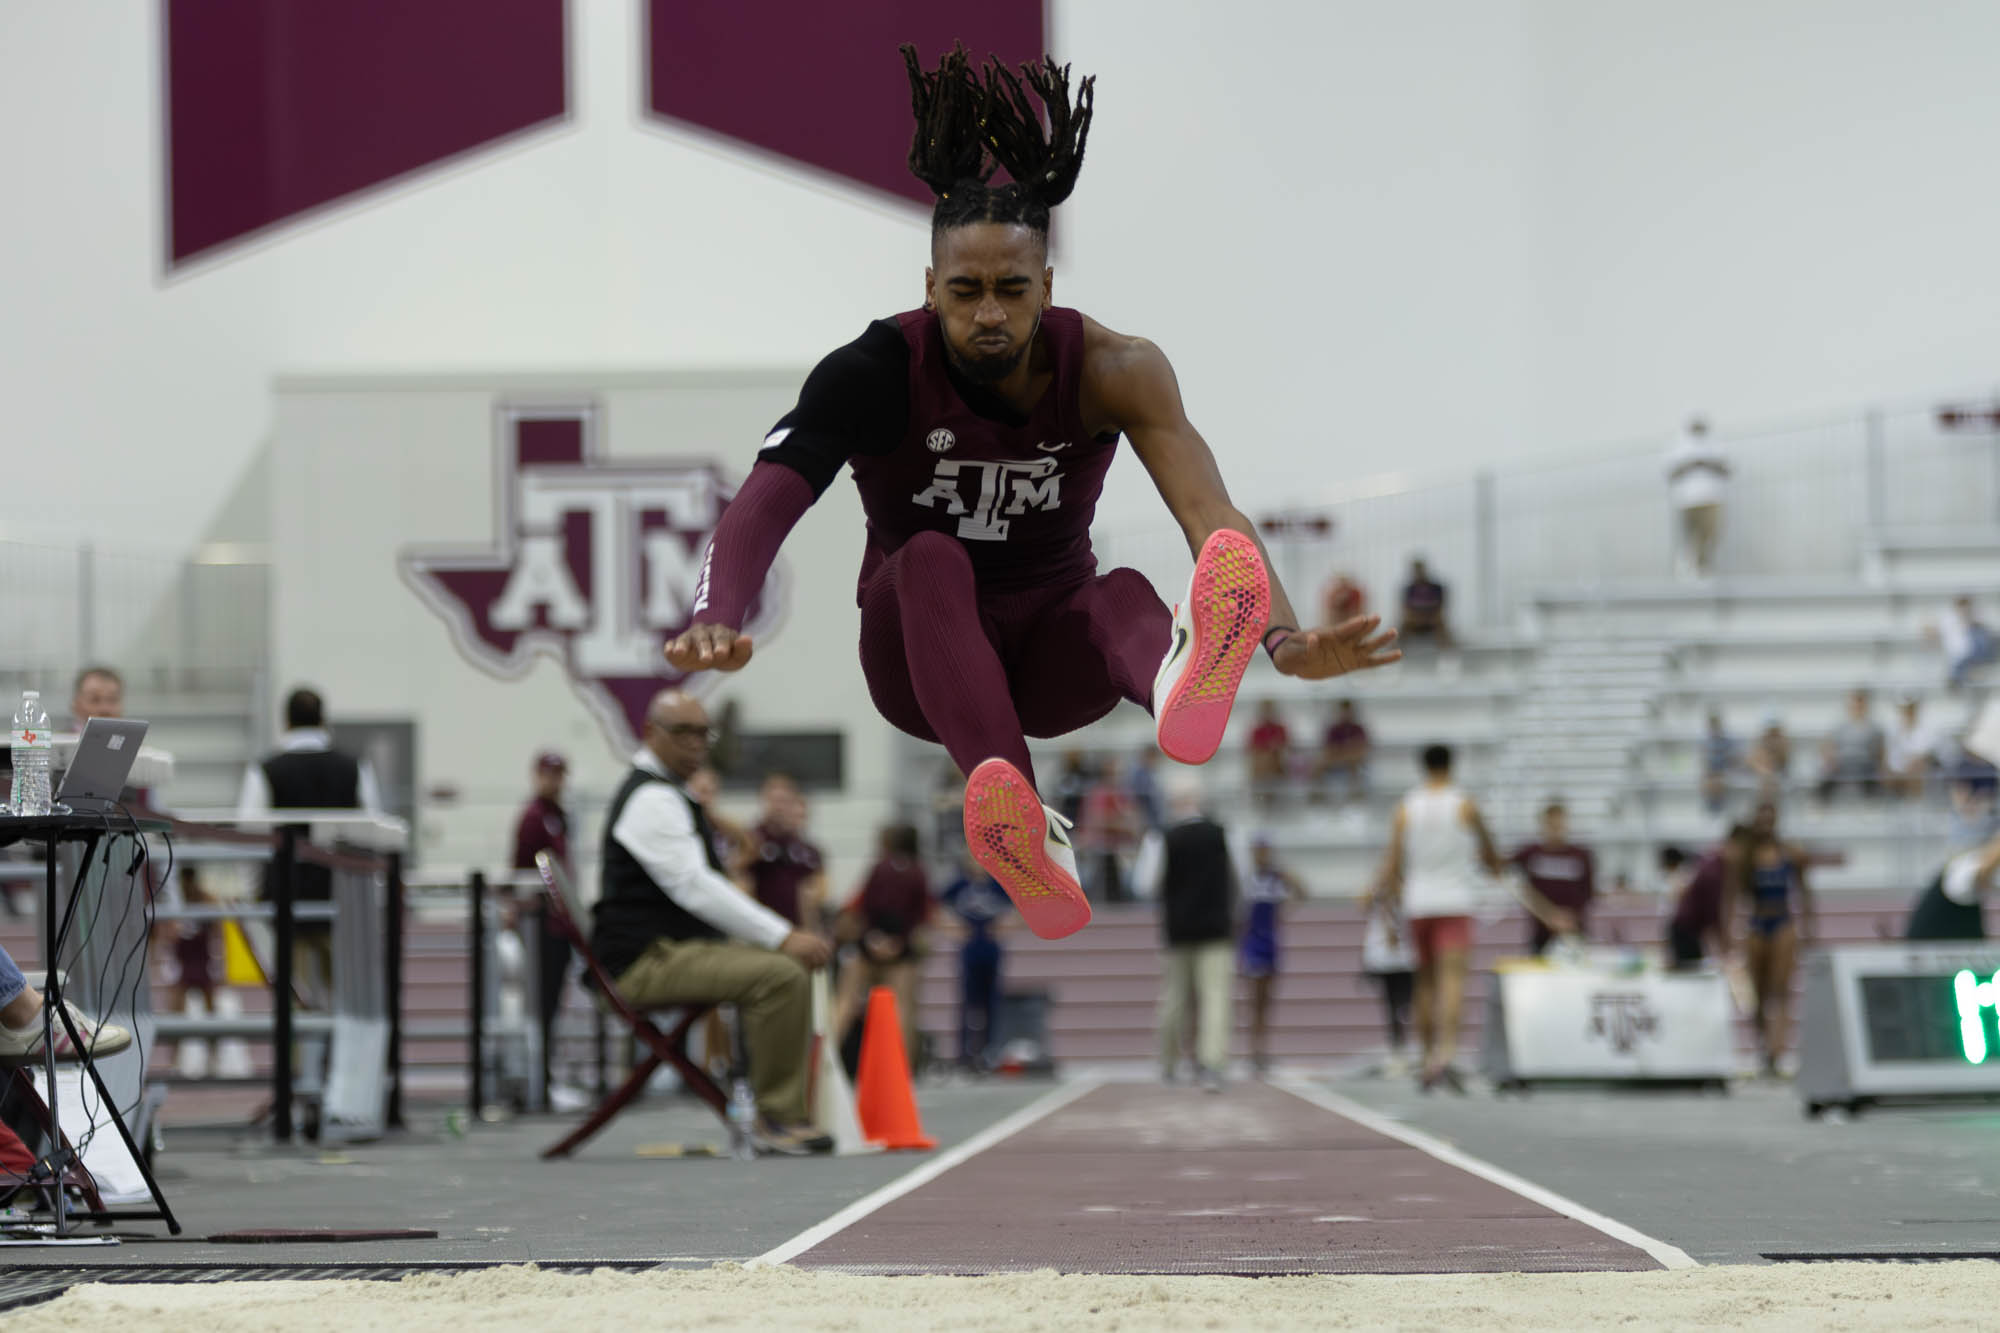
[984, 495]
[595, 563]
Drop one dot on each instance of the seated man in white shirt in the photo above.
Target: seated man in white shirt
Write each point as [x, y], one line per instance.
[673, 928]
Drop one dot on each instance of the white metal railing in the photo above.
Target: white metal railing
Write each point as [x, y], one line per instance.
[1804, 496]
[193, 622]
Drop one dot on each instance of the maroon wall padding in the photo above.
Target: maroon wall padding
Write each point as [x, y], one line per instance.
[275, 107]
[821, 83]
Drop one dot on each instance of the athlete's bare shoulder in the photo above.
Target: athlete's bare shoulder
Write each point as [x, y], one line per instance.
[1126, 378]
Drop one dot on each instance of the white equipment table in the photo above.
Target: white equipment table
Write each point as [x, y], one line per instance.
[1596, 1020]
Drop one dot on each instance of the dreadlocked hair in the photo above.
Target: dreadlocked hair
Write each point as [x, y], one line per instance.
[971, 123]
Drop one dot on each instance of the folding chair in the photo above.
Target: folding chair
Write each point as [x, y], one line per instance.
[667, 1047]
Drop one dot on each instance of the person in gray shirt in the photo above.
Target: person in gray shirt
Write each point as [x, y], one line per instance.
[1852, 756]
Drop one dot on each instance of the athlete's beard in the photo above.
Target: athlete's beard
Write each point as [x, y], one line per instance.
[991, 369]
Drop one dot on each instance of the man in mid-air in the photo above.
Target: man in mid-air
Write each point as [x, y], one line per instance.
[978, 430]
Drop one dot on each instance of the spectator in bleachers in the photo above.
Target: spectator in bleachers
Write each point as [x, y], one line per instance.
[1771, 884]
[1344, 599]
[1912, 750]
[1343, 753]
[1975, 793]
[1424, 609]
[1720, 759]
[1107, 834]
[1697, 483]
[1852, 756]
[1270, 887]
[785, 868]
[1438, 849]
[886, 921]
[1965, 640]
[1770, 759]
[1561, 880]
[1270, 754]
[1188, 867]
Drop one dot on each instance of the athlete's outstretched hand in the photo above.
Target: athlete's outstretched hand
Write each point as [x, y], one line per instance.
[708, 648]
[1353, 645]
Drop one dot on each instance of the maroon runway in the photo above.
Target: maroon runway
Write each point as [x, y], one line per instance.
[1148, 1179]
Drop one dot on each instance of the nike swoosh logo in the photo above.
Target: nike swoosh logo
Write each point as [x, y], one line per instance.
[1048, 448]
[1180, 643]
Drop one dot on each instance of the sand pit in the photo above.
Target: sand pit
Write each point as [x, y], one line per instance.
[1820, 1297]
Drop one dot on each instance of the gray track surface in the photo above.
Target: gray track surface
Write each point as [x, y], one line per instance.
[1731, 1179]
[490, 1198]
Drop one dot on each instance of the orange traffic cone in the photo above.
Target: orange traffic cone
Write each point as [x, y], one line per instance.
[887, 1103]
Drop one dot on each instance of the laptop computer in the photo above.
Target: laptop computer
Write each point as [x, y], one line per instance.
[100, 764]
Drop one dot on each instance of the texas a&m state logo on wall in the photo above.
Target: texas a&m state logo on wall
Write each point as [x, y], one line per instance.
[594, 564]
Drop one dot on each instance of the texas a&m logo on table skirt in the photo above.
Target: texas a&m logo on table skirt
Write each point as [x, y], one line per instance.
[594, 564]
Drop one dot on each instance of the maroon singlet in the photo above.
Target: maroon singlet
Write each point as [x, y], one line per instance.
[1019, 496]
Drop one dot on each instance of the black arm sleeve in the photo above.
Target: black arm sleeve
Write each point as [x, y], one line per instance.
[856, 401]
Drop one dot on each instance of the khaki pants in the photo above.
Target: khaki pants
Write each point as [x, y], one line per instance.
[1208, 970]
[770, 992]
[1701, 528]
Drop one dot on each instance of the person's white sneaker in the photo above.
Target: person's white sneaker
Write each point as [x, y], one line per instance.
[24, 1045]
[1218, 626]
[1025, 846]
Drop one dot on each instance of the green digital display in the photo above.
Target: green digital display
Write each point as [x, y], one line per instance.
[1937, 1018]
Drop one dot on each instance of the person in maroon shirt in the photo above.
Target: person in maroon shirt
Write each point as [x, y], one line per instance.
[1343, 751]
[785, 870]
[543, 826]
[1562, 879]
[885, 922]
[1699, 926]
[1270, 747]
[978, 430]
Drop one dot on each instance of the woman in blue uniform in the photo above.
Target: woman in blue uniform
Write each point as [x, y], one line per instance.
[1771, 875]
[1269, 885]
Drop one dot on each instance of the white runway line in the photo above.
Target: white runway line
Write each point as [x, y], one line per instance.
[1670, 1256]
[1041, 1107]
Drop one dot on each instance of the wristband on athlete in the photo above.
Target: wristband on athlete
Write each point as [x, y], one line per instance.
[1282, 632]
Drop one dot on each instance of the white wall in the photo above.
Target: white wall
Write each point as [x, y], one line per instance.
[1761, 209]
[365, 470]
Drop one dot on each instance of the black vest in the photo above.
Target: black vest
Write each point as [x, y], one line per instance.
[311, 780]
[1195, 905]
[631, 910]
[1937, 917]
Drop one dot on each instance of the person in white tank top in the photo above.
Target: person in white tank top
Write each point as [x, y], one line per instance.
[1435, 868]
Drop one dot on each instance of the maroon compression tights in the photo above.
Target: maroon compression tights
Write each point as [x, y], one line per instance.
[974, 672]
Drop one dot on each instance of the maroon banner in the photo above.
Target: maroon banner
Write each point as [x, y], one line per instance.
[276, 107]
[820, 83]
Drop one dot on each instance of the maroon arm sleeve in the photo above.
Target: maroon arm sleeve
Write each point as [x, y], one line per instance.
[746, 541]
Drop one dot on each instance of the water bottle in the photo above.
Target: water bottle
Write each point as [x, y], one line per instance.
[742, 1120]
[33, 748]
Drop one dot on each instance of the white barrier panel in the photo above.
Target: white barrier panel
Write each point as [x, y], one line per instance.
[1546, 1023]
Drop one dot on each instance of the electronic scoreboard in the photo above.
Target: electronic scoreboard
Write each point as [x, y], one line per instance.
[1920, 1019]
